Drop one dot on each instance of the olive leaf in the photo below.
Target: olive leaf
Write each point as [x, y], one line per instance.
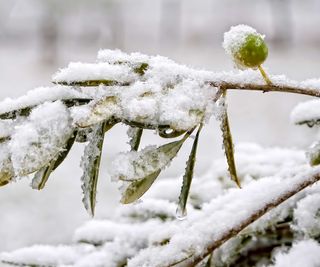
[187, 178]
[151, 158]
[89, 83]
[313, 154]
[41, 177]
[135, 139]
[90, 163]
[227, 141]
[310, 123]
[25, 111]
[102, 110]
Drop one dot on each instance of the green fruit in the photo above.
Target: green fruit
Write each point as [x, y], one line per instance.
[251, 53]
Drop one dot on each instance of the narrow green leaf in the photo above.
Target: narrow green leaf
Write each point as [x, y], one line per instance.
[137, 188]
[150, 158]
[135, 134]
[227, 142]
[310, 123]
[41, 177]
[91, 164]
[62, 155]
[208, 263]
[91, 83]
[187, 178]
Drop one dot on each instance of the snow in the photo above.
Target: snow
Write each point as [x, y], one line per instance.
[77, 71]
[306, 215]
[236, 36]
[40, 138]
[303, 253]
[46, 255]
[203, 229]
[38, 96]
[306, 112]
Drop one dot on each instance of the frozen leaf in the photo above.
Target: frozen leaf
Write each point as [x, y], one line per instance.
[147, 167]
[90, 163]
[187, 178]
[227, 141]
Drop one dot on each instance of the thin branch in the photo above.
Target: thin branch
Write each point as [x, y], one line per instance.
[193, 261]
[266, 88]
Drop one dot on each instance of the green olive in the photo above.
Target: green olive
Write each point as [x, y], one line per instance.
[251, 53]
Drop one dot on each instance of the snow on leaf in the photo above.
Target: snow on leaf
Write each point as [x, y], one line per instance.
[90, 164]
[41, 177]
[187, 178]
[144, 167]
[135, 134]
[302, 253]
[40, 138]
[307, 113]
[227, 141]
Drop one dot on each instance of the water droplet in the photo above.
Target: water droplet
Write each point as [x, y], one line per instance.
[181, 213]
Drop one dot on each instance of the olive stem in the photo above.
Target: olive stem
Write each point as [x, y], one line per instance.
[224, 85]
[264, 75]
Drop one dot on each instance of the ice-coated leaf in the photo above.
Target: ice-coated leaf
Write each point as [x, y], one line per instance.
[90, 164]
[41, 177]
[227, 141]
[187, 178]
[135, 137]
[147, 168]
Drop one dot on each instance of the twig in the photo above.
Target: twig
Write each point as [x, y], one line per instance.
[193, 261]
[265, 88]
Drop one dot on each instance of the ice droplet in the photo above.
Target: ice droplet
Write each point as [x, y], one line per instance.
[181, 213]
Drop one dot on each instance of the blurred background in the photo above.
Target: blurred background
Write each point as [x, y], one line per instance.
[37, 37]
